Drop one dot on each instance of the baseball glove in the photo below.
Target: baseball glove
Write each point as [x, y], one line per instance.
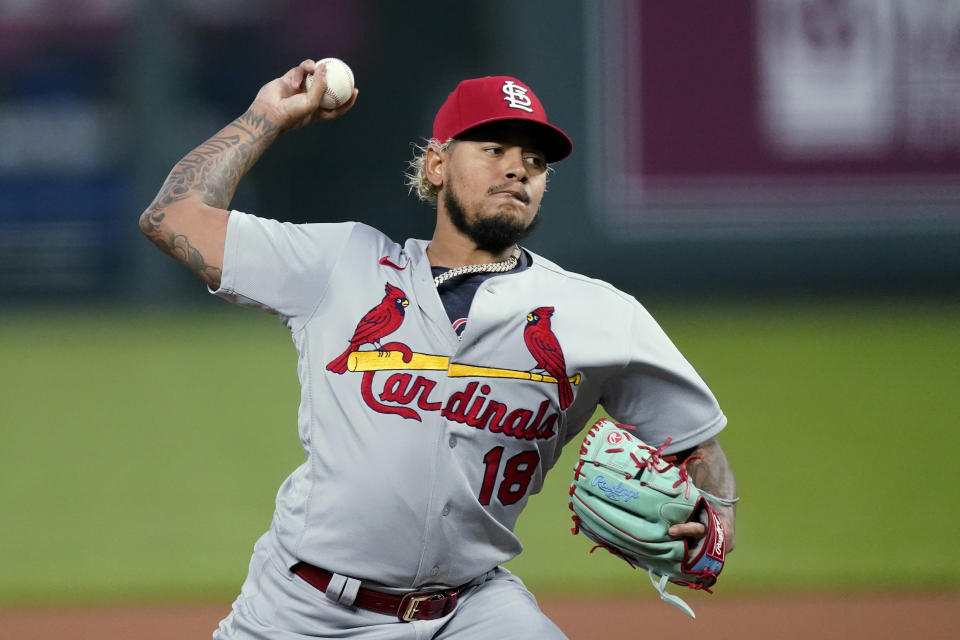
[625, 497]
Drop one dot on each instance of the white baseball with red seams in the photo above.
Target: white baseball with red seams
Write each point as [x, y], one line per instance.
[339, 83]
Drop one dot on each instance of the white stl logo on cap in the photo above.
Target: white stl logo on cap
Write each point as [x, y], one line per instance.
[517, 96]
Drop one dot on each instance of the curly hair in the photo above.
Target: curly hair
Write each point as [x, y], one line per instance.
[416, 174]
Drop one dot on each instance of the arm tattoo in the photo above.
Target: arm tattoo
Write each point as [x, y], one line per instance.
[710, 470]
[177, 246]
[210, 173]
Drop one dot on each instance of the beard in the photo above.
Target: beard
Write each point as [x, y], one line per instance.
[493, 234]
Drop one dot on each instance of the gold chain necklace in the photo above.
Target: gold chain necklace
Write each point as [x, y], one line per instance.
[490, 267]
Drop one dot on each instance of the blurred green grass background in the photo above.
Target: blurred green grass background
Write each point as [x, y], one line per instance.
[142, 450]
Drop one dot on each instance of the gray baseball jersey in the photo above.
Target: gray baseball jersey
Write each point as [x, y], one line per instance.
[422, 446]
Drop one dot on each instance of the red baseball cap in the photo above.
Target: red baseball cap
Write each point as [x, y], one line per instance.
[491, 99]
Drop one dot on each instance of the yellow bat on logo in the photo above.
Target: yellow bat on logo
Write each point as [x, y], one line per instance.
[393, 360]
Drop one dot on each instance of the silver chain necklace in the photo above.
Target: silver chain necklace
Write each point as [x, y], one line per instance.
[490, 267]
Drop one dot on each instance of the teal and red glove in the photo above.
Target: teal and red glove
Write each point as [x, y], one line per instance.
[625, 497]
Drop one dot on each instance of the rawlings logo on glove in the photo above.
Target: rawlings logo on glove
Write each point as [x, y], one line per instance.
[618, 493]
[625, 497]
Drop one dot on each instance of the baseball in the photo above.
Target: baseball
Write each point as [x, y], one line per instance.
[339, 83]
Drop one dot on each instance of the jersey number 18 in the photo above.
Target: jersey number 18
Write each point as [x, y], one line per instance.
[517, 473]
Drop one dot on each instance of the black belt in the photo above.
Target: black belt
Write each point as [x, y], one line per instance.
[421, 605]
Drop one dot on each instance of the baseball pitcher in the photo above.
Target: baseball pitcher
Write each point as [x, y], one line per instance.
[440, 380]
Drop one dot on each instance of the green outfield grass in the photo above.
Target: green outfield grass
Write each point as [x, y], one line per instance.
[142, 451]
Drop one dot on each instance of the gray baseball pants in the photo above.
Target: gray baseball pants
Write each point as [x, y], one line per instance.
[275, 604]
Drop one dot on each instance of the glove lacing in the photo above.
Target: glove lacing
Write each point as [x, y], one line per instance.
[656, 462]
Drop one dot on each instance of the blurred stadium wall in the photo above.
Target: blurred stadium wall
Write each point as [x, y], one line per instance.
[720, 147]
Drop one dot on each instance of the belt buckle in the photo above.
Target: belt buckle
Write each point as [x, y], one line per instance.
[411, 602]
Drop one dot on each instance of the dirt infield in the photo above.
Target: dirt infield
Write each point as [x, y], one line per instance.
[846, 616]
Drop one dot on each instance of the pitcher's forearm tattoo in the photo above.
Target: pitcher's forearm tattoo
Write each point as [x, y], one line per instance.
[211, 173]
[710, 470]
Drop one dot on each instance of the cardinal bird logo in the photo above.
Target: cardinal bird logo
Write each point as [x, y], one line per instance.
[545, 349]
[379, 322]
